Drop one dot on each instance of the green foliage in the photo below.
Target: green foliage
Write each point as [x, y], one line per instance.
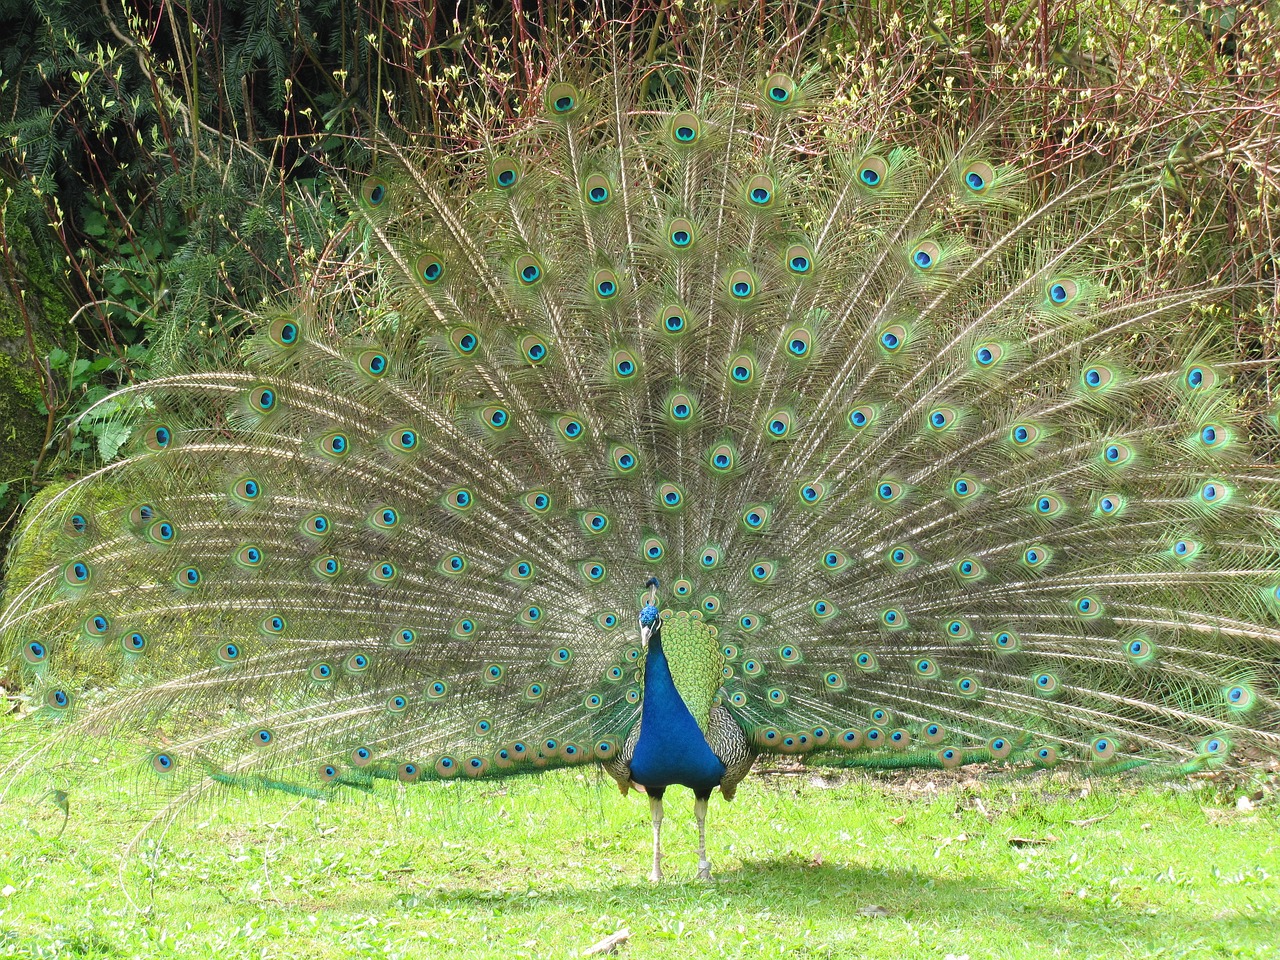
[39, 317]
[99, 430]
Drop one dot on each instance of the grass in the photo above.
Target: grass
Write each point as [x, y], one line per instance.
[908, 867]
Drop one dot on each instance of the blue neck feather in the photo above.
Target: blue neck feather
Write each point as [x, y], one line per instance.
[672, 748]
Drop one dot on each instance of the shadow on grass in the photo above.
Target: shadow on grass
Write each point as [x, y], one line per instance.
[953, 909]
[780, 886]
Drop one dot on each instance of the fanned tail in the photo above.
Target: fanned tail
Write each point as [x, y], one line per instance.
[935, 435]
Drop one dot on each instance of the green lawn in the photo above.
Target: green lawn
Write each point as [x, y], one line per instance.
[545, 867]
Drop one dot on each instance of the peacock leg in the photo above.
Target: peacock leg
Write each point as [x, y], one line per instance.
[700, 811]
[655, 810]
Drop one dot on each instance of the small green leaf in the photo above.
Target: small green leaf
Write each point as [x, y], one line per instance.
[111, 438]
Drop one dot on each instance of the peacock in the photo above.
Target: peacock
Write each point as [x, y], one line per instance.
[700, 410]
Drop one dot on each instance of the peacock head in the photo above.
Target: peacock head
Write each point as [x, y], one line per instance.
[649, 618]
